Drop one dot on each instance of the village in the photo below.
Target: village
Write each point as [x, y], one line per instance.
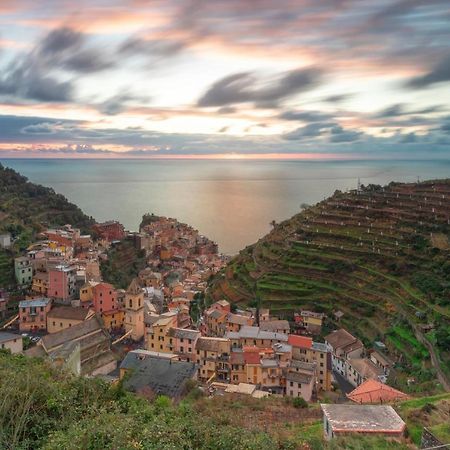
[158, 336]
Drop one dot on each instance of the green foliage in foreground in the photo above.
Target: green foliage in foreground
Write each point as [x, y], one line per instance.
[43, 408]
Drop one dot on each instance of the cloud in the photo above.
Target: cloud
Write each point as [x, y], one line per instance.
[118, 103]
[309, 131]
[152, 47]
[305, 116]
[440, 73]
[339, 134]
[337, 98]
[246, 87]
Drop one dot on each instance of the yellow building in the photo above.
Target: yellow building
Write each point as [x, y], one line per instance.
[86, 291]
[113, 319]
[40, 283]
[157, 335]
[210, 351]
[63, 317]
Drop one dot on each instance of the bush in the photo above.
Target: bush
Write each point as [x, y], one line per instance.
[300, 402]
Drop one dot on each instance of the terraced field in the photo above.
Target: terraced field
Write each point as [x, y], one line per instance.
[379, 254]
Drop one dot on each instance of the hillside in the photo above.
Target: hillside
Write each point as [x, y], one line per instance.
[380, 255]
[45, 408]
[26, 209]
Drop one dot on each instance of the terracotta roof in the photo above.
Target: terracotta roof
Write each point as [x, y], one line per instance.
[68, 312]
[300, 341]
[372, 391]
[209, 344]
[237, 318]
[251, 357]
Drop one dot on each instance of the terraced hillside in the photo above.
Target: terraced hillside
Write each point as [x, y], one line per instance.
[381, 255]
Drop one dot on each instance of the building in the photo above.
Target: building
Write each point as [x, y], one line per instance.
[62, 282]
[358, 370]
[382, 361]
[104, 297]
[157, 332]
[110, 230]
[275, 326]
[113, 319]
[23, 270]
[12, 342]
[209, 352]
[342, 346]
[40, 283]
[378, 420]
[249, 336]
[84, 349]
[312, 321]
[33, 314]
[87, 293]
[62, 317]
[300, 384]
[134, 311]
[5, 240]
[306, 350]
[372, 391]
[184, 342]
[150, 374]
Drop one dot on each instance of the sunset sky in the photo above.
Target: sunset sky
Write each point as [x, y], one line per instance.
[225, 78]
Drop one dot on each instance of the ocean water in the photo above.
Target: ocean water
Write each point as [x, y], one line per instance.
[231, 201]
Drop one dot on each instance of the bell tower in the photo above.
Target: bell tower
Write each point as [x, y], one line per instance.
[134, 310]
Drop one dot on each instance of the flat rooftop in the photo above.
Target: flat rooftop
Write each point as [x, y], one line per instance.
[363, 418]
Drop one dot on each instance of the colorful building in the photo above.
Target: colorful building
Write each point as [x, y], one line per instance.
[62, 317]
[134, 311]
[24, 271]
[62, 282]
[33, 314]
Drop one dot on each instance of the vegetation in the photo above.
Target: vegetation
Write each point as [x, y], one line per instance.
[380, 255]
[123, 264]
[27, 209]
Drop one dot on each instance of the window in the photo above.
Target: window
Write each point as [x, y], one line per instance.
[54, 324]
[291, 383]
[130, 303]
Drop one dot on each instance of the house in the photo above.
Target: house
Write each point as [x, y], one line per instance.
[378, 420]
[62, 282]
[104, 297]
[306, 350]
[210, 351]
[382, 361]
[184, 342]
[248, 336]
[62, 317]
[33, 314]
[312, 321]
[234, 322]
[149, 374]
[87, 292]
[5, 240]
[40, 283]
[12, 342]
[157, 332]
[372, 391]
[85, 348]
[343, 346]
[275, 326]
[23, 270]
[358, 370]
[215, 321]
[300, 384]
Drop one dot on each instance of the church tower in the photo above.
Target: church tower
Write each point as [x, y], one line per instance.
[134, 311]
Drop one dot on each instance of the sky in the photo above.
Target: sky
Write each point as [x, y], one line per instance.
[303, 79]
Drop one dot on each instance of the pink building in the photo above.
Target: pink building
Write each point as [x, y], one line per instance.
[62, 282]
[33, 314]
[104, 297]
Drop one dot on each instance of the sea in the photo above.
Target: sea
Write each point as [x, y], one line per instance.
[232, 202]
